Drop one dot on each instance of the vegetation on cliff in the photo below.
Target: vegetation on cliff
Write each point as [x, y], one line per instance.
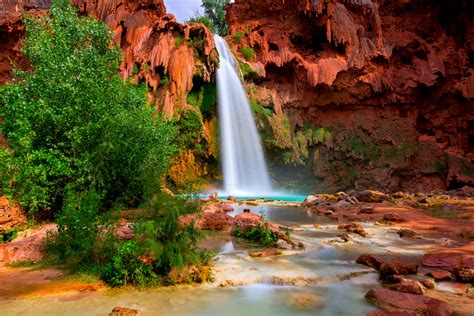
[82, 140]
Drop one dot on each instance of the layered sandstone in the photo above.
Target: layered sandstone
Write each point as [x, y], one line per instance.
[367, 94]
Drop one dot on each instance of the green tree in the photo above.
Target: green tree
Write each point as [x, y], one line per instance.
[73, 120]
[215, 11]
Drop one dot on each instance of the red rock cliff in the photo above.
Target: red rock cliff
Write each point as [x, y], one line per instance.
[362, 93]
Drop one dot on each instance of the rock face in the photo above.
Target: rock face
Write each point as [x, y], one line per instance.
[25, 249]
[420, 304]
[12, 30]
[365, 94]
[158, 51]
[10, 215]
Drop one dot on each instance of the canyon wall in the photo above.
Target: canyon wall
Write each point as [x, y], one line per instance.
[175, 61]
[361, 93]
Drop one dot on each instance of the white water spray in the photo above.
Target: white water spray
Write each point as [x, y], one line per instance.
[244, 168]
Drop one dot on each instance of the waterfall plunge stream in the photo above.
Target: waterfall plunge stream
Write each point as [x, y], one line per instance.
[244, 167]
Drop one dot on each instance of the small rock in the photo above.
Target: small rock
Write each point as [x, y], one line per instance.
[231, 198]
[370, 261]
[367, 210]
[281, 244]
[393, 217]
[428, 284]
[351, 199]
[299, 245]
[411, 287]
[440, 275]
[265, 253]
[345, 237]
[123, 311]
[464, 274]
[246, 210]
[371, 196]
[305, 301]
[226, 208]
[354, 228]
[398, 195]
[408, 233]
[393, 279]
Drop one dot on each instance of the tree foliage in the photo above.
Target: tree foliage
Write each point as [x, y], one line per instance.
[73, 120]
[215, 12]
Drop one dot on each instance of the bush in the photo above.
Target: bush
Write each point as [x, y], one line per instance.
[204, 20]
[237, 36]
[248, 53]
[85, 242]
[261, 234]
[9, 235]
[73, 120]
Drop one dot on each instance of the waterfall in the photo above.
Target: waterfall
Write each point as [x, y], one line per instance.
[244, 168]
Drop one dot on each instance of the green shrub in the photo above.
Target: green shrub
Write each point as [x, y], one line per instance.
[204, 20]
[247, 71]
[9, 235]
[237, 36]
[178, 41]
[73, 120]
[85, 241]
[248, 53]
[261, 234]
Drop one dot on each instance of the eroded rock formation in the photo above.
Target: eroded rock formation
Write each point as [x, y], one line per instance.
[367, 94]
[158, 51]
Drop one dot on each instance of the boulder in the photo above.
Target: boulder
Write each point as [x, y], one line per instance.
[226, 208]
[27, 248]
[393, 300]
[392, 279]
[354, 228]
[395, 267]
[440, 275]
[393, 217]
[428, 283]
[408, 233]
[411, 287]
[246, 221]
[448, 260]
[464, 274]
[371, 196]
[370, 261]
[208, 221]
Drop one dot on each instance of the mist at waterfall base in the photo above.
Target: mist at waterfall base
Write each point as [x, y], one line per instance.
[243, 162]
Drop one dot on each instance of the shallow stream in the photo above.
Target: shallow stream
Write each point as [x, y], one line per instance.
[323, 279]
